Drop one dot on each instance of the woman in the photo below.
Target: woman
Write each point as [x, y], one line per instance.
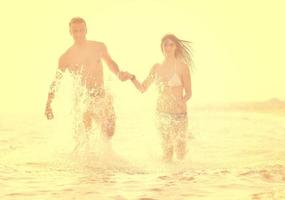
[173, 79]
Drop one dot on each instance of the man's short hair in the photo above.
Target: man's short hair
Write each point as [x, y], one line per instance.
[77, 20]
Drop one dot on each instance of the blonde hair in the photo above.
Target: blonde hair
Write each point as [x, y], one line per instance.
[183, 48]
[77, 20]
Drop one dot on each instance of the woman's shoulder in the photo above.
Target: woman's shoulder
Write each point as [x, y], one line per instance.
[182, 66]
[155, 67]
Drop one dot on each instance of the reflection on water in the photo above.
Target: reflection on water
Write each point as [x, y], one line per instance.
[232, 155]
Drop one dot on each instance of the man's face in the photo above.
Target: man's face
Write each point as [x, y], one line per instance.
[78, 31]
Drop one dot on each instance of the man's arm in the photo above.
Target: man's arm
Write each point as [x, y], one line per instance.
[54, 87]
[55, 84]
[113, 65]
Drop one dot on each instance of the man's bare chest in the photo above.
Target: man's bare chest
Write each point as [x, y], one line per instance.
[84, 58]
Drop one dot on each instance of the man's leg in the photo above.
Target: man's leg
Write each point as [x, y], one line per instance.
[87, 121]
[79, 129]
[108, 122]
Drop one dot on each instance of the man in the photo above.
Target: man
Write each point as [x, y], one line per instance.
[84, 58]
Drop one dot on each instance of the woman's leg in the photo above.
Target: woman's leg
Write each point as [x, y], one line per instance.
[164, 128]
[181, 126]
[167, 146]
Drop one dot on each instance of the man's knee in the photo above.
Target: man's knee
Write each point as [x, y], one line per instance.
[87, 120]
[108, 127]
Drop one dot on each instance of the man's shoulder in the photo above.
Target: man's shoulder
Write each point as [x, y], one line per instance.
[66, 52]
[65, 56]
[97, 44]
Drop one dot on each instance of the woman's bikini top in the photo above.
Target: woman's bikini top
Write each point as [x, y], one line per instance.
[174, 80]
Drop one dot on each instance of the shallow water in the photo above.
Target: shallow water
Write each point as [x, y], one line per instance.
[232, 155]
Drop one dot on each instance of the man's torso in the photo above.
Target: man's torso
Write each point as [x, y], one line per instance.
[85, 61]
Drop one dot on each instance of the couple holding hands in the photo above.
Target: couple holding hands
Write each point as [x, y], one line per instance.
[171, 76]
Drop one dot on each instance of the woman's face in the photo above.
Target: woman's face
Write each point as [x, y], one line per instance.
[169, 47]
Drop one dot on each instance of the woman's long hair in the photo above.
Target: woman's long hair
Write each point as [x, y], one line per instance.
[183, 49]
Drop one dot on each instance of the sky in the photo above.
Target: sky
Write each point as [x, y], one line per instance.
[237, 46]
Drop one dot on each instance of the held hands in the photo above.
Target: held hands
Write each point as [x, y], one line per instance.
[123, 76]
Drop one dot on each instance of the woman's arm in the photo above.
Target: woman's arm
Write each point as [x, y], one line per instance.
[142, 87]
[186, 83]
